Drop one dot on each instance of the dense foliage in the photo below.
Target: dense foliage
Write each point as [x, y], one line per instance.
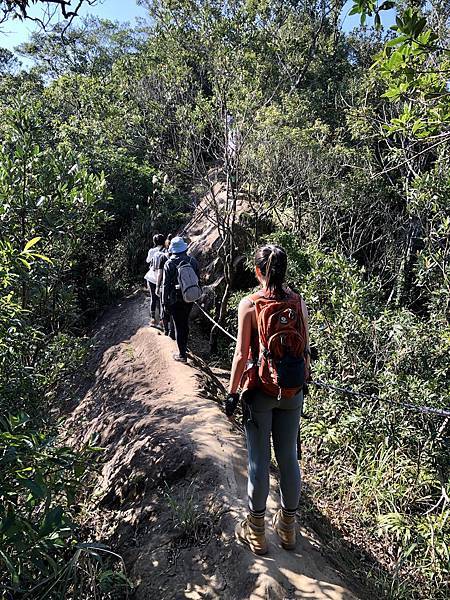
[49, 214]
[334, 144]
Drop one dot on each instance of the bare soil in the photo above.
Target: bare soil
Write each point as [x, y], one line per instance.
[173, 480]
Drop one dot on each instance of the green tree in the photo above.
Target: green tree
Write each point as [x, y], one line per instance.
[90, 47]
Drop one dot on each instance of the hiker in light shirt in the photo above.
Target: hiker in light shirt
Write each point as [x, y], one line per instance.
[153, 277]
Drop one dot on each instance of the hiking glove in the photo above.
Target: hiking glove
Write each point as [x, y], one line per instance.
[231, 403]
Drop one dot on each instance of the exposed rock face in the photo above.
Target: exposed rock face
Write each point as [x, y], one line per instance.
[203, 233]
[206, 243]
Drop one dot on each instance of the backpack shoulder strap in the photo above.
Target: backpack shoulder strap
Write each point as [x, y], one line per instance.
[254, 300]
[254, 297]
[186, 260]
[178, 264]
[296, 296]
[301, 302]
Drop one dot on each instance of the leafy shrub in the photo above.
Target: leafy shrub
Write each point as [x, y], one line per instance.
[42, 552]
[50, 202]
[39, 484]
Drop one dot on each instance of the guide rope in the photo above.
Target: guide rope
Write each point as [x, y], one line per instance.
[346, 390]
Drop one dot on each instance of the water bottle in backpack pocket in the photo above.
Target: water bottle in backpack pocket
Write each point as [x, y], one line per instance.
[290, 372]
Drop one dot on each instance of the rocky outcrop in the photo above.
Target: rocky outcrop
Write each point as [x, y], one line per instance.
[205, 242]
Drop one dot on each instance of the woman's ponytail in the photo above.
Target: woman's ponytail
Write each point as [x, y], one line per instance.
[272, 262]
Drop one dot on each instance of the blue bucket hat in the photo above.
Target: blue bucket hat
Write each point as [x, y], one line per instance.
[177, 245]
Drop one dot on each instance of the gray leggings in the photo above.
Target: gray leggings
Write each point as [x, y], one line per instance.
[282, 421]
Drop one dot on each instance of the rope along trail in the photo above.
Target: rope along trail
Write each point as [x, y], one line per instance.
[348, 391]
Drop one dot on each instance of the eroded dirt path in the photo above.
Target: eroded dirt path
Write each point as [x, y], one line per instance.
[173, 482]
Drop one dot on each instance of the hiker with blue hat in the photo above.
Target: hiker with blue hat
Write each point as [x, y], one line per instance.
[180, 289]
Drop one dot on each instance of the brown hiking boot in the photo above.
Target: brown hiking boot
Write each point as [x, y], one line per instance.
[286, 530]
[251, 532]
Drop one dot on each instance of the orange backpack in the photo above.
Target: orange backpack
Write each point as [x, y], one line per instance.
[282, 343]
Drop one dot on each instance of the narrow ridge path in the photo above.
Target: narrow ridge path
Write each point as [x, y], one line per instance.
[160, 434]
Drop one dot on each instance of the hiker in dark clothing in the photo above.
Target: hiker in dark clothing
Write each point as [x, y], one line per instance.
[166, 320]
[168, 324]
[172, 297]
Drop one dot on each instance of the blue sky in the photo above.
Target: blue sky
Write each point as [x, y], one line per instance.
[13, 33]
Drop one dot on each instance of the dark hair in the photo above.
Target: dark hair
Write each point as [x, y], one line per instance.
[158, 239]
[272, 262]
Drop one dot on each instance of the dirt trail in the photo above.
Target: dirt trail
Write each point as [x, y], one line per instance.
[172, 459]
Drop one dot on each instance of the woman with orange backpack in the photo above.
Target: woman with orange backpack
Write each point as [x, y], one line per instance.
[270, 366]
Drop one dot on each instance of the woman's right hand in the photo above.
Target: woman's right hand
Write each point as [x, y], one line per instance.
[231, 402]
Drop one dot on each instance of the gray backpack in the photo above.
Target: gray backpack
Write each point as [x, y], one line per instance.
[188, 282]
